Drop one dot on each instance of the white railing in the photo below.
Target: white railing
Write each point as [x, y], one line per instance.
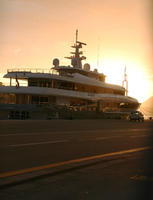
[33, 70]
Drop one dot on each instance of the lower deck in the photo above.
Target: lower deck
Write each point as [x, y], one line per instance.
[107, 104]
[41, 112]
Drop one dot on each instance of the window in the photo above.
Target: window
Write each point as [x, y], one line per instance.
[43, 99]
[32, 83]
[35, 100]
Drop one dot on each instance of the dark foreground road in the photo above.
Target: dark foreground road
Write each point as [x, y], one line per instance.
[86, 159]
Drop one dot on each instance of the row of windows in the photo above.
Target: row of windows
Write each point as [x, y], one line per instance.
[24, 99]
[18, 115]
[73, 86]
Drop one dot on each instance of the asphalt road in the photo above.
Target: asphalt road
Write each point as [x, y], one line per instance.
[126, 170]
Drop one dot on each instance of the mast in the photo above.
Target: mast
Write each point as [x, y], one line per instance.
[125, 82]
[76, 36]
[76, 59]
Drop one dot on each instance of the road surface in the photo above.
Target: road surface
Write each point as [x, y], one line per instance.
[97, 159]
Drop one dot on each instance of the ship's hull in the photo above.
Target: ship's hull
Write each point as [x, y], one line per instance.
[51, 103]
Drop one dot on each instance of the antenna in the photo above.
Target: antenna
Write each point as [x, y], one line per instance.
[76, 35]
[125, 82]
[98, 50]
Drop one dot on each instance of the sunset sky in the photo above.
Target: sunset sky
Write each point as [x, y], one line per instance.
[117, 32]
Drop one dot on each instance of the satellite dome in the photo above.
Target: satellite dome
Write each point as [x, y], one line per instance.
[95, 70]
[56, 62]
[87, 66]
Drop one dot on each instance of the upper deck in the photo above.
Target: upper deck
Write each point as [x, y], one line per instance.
[64, 70]
[52, 74]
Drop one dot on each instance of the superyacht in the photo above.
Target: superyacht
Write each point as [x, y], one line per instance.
[63, 92]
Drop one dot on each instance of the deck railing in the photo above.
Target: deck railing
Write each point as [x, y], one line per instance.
[32, 70]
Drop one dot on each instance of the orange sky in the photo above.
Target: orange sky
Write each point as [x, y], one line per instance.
[33, 32]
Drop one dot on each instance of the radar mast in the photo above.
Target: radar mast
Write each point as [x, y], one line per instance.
[76, 59]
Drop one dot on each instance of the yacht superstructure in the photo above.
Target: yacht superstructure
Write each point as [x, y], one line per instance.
[73, 88]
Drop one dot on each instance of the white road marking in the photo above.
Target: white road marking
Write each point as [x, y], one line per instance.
[78, 140]
[135, 136]
[141, 178]
[37, 143]
[71, 132]
[119, 136]
[107, 138]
